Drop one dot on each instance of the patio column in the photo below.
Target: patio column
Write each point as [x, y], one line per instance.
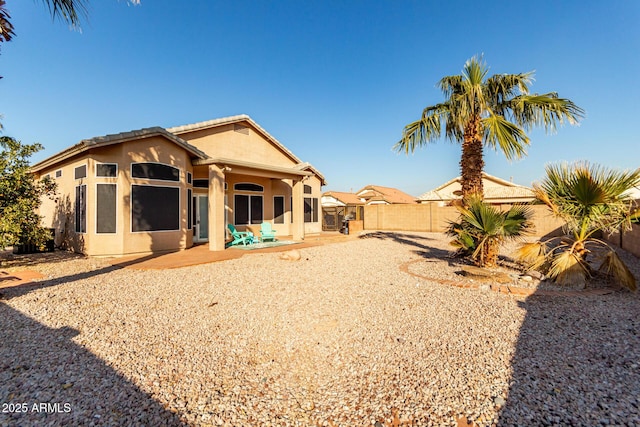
[217, 223]
[298, 210]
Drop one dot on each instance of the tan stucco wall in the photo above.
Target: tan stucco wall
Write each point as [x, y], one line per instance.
[124, 241]
[247, 144]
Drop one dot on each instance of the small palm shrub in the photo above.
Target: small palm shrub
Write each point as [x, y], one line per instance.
[482, 228]
[590, 199]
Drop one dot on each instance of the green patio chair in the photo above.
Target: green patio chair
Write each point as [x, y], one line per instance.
[267, 233]
[239, 237]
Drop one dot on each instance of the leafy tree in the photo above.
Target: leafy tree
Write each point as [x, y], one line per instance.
[482, 228]
[590, 199]
[20, 195]
[494, 112]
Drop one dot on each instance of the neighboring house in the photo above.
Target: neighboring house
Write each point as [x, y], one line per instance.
[496, 191]
[375, 194]
[338, 206]
[159, 189]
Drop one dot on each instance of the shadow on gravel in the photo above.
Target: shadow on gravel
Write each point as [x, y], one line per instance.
[47, 379]
[23, 289]
[577, 362]
[423, 249]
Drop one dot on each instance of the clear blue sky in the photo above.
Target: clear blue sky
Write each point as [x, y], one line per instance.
[334, 81]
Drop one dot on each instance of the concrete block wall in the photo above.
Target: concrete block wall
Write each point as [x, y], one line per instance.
[629, 241]
[434, 218]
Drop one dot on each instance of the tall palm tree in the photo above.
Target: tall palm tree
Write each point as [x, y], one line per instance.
[494, 111]
[590, 199]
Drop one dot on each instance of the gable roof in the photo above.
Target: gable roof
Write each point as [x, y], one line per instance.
[209, 124]
[384, 194]
[346, 198]
[504, 190]
[101, 141]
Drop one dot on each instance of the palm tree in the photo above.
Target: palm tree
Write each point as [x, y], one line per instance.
[590, 199]
[482, 228]
[479, 111]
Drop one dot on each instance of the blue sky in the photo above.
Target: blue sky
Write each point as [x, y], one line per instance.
[334, 81]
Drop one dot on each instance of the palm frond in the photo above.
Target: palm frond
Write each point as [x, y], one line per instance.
[423, 131]
[6, 27]
[70, 11]
[568, 269]
[547, 111]
[613, 265]
[499, 132]
[533, 255]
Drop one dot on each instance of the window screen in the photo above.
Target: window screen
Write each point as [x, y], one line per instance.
[201, 183]
[81, 209]
[106, 208]
[278, 209]
[247, 209]
[157, 171]
[307, 209]
[80, 172]
[106, 170]
[307, 189]
[189, 209]
[244, 186]
[155, 208]
[315, 209]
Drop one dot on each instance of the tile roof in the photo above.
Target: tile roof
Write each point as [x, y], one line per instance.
[346, 198]
[386, 194]
[505, 190]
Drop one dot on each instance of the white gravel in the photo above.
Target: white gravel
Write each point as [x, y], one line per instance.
[340, 337]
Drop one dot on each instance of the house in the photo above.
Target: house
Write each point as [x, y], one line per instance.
[496, 191]
[338, 206]
[158, 189]
[376, 194]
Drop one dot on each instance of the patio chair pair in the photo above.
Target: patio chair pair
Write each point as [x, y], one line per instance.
[247, 238]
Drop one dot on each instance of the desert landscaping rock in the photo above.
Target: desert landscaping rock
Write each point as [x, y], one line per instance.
[342, 337]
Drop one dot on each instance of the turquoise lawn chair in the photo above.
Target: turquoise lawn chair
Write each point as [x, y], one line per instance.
[239, 237]
[267, 234]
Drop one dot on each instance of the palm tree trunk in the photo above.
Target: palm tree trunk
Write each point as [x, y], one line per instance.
[472, 161]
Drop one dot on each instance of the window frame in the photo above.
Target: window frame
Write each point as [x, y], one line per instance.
[79, 203]
[156, 179]
[75, 172]
[131, 221]
[106, 176]
[284, 208]
[115, 209]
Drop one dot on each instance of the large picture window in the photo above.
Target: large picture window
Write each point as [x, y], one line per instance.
[278, 209]
[155, 208]
[106, 208]
[247, 209]
[157, 171]
[81, 209]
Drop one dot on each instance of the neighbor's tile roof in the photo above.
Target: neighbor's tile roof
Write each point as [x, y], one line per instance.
[387, 194]
[506, 190]
[346, 198]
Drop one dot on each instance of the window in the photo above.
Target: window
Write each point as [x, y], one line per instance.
[278, 209]
[201, 183]
[247, 209]
[189, 177]
[245, 186]
[307, 189]
[189, 208]
[59, 173]
[106, 170]
[81, 209]
[157, 171]
[310, 209]
[155, 208]
[80, 172]
[106, 208]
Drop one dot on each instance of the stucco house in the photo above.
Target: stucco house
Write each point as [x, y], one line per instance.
[158, 189]
[496, 191]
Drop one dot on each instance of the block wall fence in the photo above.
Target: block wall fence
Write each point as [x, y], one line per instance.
[433, 218]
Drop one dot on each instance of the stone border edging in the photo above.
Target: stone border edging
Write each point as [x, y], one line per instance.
[503, 289]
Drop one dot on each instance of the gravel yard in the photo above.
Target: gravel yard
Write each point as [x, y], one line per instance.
[341, 337]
